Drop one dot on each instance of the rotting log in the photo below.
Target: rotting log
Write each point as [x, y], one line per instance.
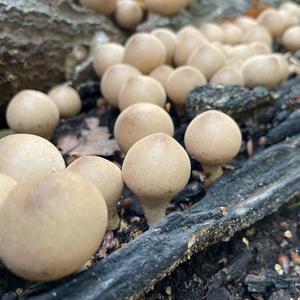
[236, 201]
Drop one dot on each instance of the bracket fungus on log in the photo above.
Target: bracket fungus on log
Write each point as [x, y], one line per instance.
[237, 200]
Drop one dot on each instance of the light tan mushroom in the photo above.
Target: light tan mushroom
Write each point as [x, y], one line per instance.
[61, 220]
[241, 52]
[227, 76]
[145, 52]
[142, 89]
[67, 100]
[166, 7]
[32, 112]
[189, 29]
[128, 14]
[290, 7]
[245, 23]
[234, 63]
[180, 83]
[156, 168]
[114, 79]
[288, 19]
[140, 120]
[107, 177]
[291, 38]
[212, 32]
[101, 6]
[185, 46]
[107, 55]
[161, 74]
[168, 38]
[260, 48]
[258, 34]
[24, 155]
[232, 33]
[213, 138]
[283, 65]
[261, 70]
[208, 60]
[6, 186]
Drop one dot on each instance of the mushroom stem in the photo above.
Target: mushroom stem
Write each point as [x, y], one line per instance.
[214, 171]
[155, 214]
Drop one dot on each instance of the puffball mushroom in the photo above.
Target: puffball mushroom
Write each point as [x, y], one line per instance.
[232, 33]
[32, 112]
[161, 74]
[261, 70]
[212, 32]
[67, 100]
[156, 168]
[168, 38]
[140, 120]
[128, 14]
[6, 185]
[290, 7]
[260, 48]
[61, 220]
[245, 23]
[242, 52]
[114, 79]
[107, 55]
[272, 21]
[107, 177]
[227, 76]
[187, 30]
[258, 34]
[213, 138]
[166, 7]
[207, 59]
[283, 66]
[235, 63]
[101, 6]
[24, 155]
[185, 46]
[142, 89]
[180, 83]
[291, 38]
[145, 52]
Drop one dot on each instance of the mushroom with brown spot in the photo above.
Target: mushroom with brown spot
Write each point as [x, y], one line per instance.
[61, 220]
[156, 168]
[114, 79]
[142, 89]
[67, 100]
[107, 177]
[24, 155]
[106, 56]
[145, 52]
[140, 120]
[213, 138]
[32, 112]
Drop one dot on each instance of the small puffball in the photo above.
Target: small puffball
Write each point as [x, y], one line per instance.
[235, 63]
[227, 76]
[290, 7]
[107, 55]
[128, 14]
[272, 21]
[24, 155]
[181, 82]
[114, 79]
[166, 7]
[288, 19]
[161, 74]
[245, 23]
[261, 70]
[260, 48]
[168, 38]
[142, 89]
[212, 32]
[140, 120]
[145, 52]
[283, 65]
[6, 185]
[258, 34]
[291, 38]
[32, 112]
[187, 30]
[67, 100]
[185, 46]
[242, 52]
[232, 33]
[101, 6]
[207, 59]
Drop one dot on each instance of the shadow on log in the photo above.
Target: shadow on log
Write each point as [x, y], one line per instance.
[237, 200]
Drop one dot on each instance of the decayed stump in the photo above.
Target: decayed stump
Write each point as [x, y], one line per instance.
[36, 37]
[237, 200]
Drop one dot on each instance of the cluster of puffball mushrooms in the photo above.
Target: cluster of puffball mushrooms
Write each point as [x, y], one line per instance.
[52, 217]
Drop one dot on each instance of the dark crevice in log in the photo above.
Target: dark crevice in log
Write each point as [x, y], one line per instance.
[237, 200]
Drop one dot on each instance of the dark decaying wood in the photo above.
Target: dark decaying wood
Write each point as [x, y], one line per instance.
[237, 200]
